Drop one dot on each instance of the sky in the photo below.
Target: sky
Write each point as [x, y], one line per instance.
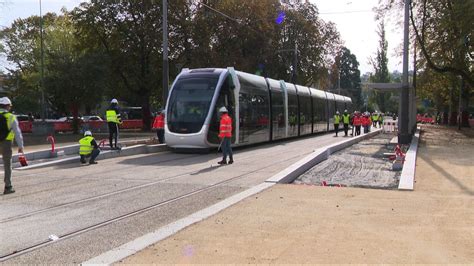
[354, 20]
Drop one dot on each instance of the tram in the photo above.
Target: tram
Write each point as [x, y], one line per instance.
[262, 109]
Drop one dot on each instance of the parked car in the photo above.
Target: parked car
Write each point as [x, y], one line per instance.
[88, 118]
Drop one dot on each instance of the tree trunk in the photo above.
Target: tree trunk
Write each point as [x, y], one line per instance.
[464, 104]
[145, 100]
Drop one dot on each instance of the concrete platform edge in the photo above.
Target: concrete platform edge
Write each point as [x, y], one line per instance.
[407, 178]
[140, 243]
[295, 170]
[127, 151]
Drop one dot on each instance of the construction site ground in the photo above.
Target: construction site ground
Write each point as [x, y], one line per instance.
[363, 164]
[316, 224]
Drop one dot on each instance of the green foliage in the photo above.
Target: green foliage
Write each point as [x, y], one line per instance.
[346, 68]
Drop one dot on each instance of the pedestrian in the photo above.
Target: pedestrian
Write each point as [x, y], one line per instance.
[88, 148]
[337, 120]
[357, 123]
[225, 133]
[159, 125]
[113, 120]
[346, 118]
[9, 130]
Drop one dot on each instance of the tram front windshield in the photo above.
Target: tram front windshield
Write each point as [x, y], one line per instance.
[189, 103]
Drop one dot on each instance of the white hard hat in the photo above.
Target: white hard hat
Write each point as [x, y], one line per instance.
[223, 110]
[88, 133]
[345, 111]
[337, 112]
[5, 101]
[114, 101]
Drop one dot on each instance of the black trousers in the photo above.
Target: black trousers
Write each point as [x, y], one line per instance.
[160, 133]
[357, 130]
[92, 155]
[336, 128]
[113, 133]
[346, 129]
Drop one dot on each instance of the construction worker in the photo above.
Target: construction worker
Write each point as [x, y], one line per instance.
[9, 130]
[113, 120]
[88, 148]
[357, 121]
[337, 120]
[225, 133]
[159, 125]
[346, 119]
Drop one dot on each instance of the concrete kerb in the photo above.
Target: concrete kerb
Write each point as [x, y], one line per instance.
[407, 178]
[295, 170]
[127, 151]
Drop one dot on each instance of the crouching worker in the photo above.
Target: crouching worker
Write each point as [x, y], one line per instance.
[88, 148]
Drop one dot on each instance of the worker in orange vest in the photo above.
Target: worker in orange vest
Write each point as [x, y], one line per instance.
[225, 133]
[357, 122]
[159, 126]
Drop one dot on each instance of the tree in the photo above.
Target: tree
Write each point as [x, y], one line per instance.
[347, 74]
[381, 75]
[129, 32]
[443, 32]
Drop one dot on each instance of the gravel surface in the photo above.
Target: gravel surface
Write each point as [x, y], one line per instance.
[361, 165]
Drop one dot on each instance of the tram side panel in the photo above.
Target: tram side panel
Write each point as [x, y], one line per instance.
[305, 114]
[254, 109]
[277, 110]
[292, 110]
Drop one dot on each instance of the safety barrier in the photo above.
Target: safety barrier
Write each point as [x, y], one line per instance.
[390, 126]
[94, 126]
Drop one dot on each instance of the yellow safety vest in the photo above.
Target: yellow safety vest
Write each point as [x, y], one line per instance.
[337, 119]
[10, 118]
[85, 146]
[346, 118]
[112, 116]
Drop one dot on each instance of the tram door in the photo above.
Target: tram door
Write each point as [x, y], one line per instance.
[225, 98]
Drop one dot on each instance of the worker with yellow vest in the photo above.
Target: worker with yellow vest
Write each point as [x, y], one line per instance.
[9, 130]
[113, 120]
[88, 148]
[346, 119]
[337, 120]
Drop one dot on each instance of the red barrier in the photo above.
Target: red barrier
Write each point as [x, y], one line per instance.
[132, 124]
[51, 138]
[26, 126]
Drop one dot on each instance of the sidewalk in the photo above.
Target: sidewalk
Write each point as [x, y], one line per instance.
[313, 224]
[36, 143]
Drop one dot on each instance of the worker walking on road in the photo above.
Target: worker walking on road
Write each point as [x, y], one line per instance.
[225, 133]
[9, 130]
[88, 148]
[346, 119]
[337, 120]
[159, 125]
[113, 120]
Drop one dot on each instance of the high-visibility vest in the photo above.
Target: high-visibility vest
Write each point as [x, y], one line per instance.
[10, 118]
[346, 118]
[337, 119]
[225, 128]
[85, 146]
[159, 121]
[112, 116]
[357, 121]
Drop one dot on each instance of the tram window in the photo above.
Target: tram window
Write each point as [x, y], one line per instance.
[190, 101]
[278, 114]
[305, 114]
[254, 110]
[292, 115]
